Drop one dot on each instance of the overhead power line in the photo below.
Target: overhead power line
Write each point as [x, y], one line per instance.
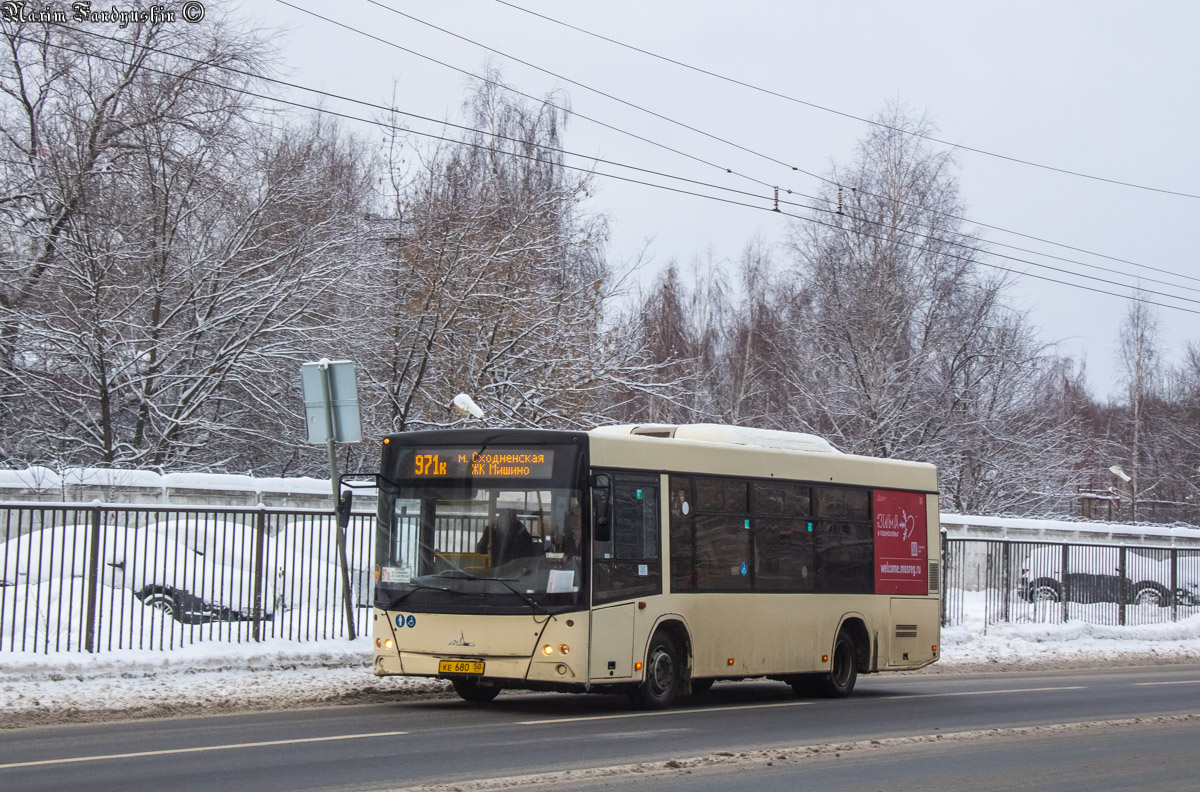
[770, 208]
[685, 126]
[823, 108]
[777, 201]
[496, 83]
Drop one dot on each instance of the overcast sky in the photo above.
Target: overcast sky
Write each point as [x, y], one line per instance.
[1106, 89]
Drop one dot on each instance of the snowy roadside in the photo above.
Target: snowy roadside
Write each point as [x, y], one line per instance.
[215, 678]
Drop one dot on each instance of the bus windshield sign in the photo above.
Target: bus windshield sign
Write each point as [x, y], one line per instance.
[460, 463]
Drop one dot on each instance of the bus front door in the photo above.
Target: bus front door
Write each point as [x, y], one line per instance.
[611, 643]
[626, 565]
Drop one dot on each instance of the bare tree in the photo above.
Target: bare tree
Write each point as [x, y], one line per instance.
[1139, 358]
[166, 249]
[497, 280]
[898, 345]
[1180, 430]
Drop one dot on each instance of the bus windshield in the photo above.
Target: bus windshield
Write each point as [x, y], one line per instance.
[480, 548]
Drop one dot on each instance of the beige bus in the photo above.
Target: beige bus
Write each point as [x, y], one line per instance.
[651, 560]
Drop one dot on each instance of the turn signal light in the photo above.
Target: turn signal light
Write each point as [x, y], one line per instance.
[378, 642]
[564, 649]
[824, 658]
[637, 666]
[935, 648]
[729, 661]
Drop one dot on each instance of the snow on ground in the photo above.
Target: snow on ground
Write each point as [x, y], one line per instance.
[75, 687]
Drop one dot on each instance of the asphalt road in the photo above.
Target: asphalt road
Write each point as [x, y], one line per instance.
[440, 741]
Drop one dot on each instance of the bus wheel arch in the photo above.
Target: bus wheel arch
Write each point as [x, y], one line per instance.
[667, 673]
[851, 654]
[856, 627]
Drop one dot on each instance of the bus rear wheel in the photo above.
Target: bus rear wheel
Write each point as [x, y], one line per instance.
[843, 673]
[662, 682]
[470, 690]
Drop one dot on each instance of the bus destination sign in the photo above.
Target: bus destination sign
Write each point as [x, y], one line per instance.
[518, 463]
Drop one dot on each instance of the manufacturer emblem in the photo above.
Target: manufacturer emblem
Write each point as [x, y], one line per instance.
[461, 640]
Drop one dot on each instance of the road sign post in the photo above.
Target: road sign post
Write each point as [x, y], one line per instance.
[331, 414]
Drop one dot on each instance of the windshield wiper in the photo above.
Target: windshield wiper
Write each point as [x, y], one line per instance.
[415, 586]
[461, 575]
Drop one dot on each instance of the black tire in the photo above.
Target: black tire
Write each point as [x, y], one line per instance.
[701, 686]
[807, 685]
[843, 672]
[1045, 590]
[470, 690]
[163, 601]
[1151, 593]
[662, 683]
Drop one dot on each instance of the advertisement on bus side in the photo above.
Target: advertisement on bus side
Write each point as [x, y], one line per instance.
[901, 543]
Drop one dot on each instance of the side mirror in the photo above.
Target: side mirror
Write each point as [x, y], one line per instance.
[601, 511]
[343, 508]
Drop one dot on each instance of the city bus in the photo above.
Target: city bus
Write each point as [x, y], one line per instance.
[651, 560]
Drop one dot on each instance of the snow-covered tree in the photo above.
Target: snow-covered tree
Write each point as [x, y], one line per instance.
[496, 281]
[169, 255]
[901, 346]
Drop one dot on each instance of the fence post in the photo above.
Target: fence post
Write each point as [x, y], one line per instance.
[260, 541]
[1174, 584]
[1066, 580]
[945, 548]
[1006, 581]
[1122, 589]
[93, 573]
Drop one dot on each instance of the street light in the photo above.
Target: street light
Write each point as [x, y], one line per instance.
[466, 405]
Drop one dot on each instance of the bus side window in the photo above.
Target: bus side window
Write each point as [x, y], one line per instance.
[682, 540]
[630, 565]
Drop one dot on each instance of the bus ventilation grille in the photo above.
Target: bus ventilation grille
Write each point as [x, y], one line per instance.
[935, 577]
[906, 631]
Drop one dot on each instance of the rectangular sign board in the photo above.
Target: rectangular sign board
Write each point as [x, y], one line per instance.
[343, 394]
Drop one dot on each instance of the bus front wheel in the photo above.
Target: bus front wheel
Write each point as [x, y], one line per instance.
[843, 672]
[472, 691]
[661, 684]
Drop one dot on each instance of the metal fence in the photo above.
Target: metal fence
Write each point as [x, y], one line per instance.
[103, 577]
[1015, 581]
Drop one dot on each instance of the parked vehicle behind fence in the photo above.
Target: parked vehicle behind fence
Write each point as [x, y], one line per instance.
[1094, 574]
[148, 562]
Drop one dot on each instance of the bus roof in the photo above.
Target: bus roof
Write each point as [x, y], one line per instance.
[735, 451]
[722, 433]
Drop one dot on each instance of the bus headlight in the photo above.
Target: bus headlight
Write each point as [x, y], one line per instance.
[388, 644]
[547, 650]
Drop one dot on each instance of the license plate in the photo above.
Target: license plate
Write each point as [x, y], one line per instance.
[461, 667]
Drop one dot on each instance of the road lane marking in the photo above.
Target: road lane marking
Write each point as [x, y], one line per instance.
[171, 751]
[1181, 682]
[661, 712]
[986, 692]
[645, 773]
